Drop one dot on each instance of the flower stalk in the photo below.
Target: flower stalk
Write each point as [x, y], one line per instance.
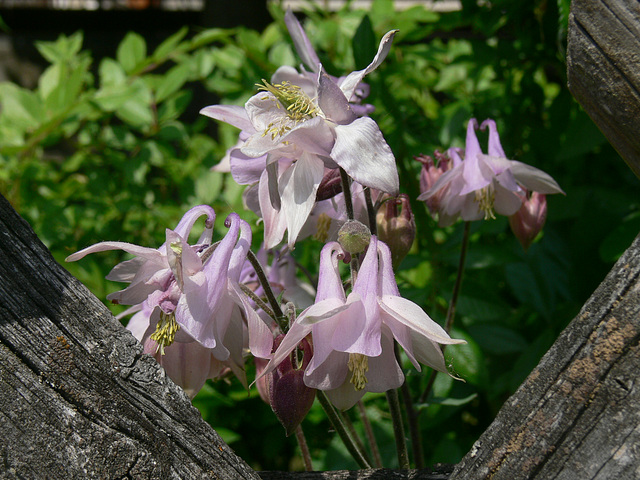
[338, 425]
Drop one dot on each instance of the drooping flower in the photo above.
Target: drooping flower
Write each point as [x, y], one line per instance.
[396, 226]
[194, 287]
[293, 130]
[483, 185]
[353, 336]
[187, 363]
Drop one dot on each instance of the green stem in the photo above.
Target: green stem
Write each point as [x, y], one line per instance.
[451, 312]
[341, 429]
[371, 213]
[377, 459]
[304, 448]
[346, 189]
[398, 429]
[273, 301]
[414, 428]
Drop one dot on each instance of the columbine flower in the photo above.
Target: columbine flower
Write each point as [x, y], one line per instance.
[483, 184]
[188, 364]
[353, 336]
[155, 274]
[196, 292]
[295, 128]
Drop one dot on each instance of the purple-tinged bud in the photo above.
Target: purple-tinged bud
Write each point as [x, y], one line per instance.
[289, 397]
[354, 236]
[430, 174]
[527, 222]
[330, 185]
[396, 226]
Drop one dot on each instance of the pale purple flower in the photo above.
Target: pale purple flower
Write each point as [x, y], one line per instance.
[188, 364]
[483, 184]
[353, 336]
[195, 291]
[295, 129]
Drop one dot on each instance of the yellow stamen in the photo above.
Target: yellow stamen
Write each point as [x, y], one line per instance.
[299, 106]
[358, 366]
[324, 223]
[165, 331]
[485, 198]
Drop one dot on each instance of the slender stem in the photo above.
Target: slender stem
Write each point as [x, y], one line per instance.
[251, 294]
[273, 301]
[414, 428]
[398, 428]
[371, 212]
[451, 312]
[346, 189]
[340, 428]
[352, 430]
[456, 288]
[377, 459]
[304, 448]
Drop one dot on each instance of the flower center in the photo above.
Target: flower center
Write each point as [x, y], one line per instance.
[165, 331]
[358, 366]
[485, 198]
[298, 105]
[324, 223]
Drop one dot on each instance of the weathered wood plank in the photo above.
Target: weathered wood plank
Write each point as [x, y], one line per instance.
[603, 70]
[578, 414]
[78, 399]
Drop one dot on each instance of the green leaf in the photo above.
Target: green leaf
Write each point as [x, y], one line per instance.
[208, 36]
[21, 107]
[497, 340]
[131, 51]
[111, 73]
[451, 402]
[467, 359]
[170, 45]
[364, 44]
[172, 81]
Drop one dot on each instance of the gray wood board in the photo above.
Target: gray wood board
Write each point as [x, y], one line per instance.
[78, 399]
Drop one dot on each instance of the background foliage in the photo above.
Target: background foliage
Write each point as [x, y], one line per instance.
[113, 149]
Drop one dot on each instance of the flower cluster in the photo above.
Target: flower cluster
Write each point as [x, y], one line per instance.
[315, 164]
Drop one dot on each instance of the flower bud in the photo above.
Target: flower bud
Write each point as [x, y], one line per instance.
[330, 186]
[354, 236]
[527, 222]
[430, 174]
[396, 227]
[289, 397]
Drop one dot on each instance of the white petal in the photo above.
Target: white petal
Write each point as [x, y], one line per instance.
[231, 114]
[362, 151]
[534, 179]
[411, 315]
[298, 186]
[350, 83]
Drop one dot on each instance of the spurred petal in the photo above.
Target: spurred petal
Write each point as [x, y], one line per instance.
[495, 147]
[350, 83]
[301, 41]
[231, 114]
[150, 254]
[329, 281]
[362, 151]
